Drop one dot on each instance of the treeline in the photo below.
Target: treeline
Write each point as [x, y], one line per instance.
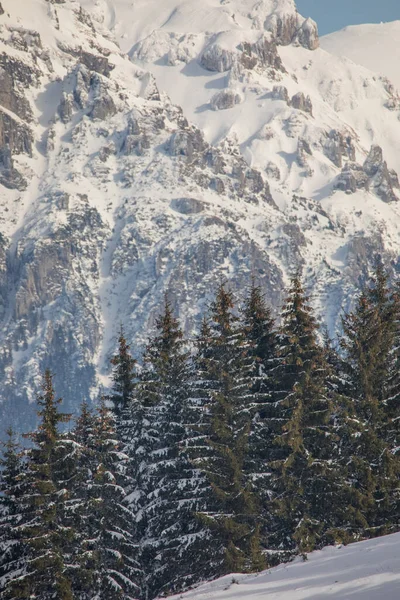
[256, 442]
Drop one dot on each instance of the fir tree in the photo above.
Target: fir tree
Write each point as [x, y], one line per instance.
[392, 396]
[261, 339]
[174, 547]
[124, 375]
[368, 342]
[225, 388]
[42, 506]
[79, 509]
[106, 552]
[309, 487]
[128, 413]
[12, 549]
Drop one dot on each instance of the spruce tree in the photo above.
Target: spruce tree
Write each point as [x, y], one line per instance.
[368, 343]
[106, 551]
[123, 377]
[261, 339]
[224, 387]
[309, 490]
[392, 396]
[42, 506]
[174, 548]
[128, 415]
[12, 548]
[79, 509]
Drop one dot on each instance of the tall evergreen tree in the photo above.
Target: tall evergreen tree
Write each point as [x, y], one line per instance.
[79, 509]
[128, 415]
[262, 341]
[392, 396]
[12, 549]
[124, 376]
[175, 543]
[310, 490]
[106, 552]
[368, 343]
[225, 389]
[42, 506]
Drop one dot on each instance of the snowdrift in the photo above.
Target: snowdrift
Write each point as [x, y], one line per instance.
[364, 571]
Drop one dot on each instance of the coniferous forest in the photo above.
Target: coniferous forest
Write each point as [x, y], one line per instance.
[256, 441]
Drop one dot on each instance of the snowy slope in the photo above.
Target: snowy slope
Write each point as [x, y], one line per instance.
[374, 46]
[363, 571]
[148, 147]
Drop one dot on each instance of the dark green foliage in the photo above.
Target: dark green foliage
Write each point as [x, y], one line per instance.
[175, 550]
[106, 553]
[370, 347]
[12, 548]
[225, 389]
[262, 340]
[42, 507]
[264, 438]
[124, 374]
[308, 487]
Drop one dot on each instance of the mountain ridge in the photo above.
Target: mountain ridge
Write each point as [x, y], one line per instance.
[199, 156]
[373, 46]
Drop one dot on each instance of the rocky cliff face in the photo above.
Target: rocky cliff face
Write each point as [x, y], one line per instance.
[113, 192]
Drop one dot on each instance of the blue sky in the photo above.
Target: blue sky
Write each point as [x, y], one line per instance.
[332, 15]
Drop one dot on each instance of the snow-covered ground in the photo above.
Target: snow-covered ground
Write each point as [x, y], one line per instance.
[365, 571]
[374, 46]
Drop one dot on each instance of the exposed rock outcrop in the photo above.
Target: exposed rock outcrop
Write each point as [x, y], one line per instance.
[374, 175]
[262, 53]
[187, 143]
[280, 92]
[216, 58]
[352, 178]
[337, 145]
[9, 176]
[307, 35]
[303, 152]
[302, 102]
[187, 206]
[103, 105]
[292, 28]
[381, 179]
[65, 107]
[225, 99]
[15, 75]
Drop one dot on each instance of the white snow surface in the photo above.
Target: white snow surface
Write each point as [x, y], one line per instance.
[134, 20]
[364, 571]
[131, 241]
[374, 46]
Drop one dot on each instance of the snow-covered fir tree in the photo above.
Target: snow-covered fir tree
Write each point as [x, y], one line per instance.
[224, 385]
[261, 339]
[106, 550]
[175, 543]
[12, 547]
[128, 416]
[369, 338]
[42, 504]
[308, 484]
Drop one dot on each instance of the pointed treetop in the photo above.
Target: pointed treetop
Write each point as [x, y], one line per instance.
[221, 311]
[49, 413]
[124, 375]
[256, 313]
[168, 327]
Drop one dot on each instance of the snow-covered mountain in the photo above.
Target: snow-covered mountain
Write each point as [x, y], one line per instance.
[149, 147]
[363, 571]
[374, 46]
